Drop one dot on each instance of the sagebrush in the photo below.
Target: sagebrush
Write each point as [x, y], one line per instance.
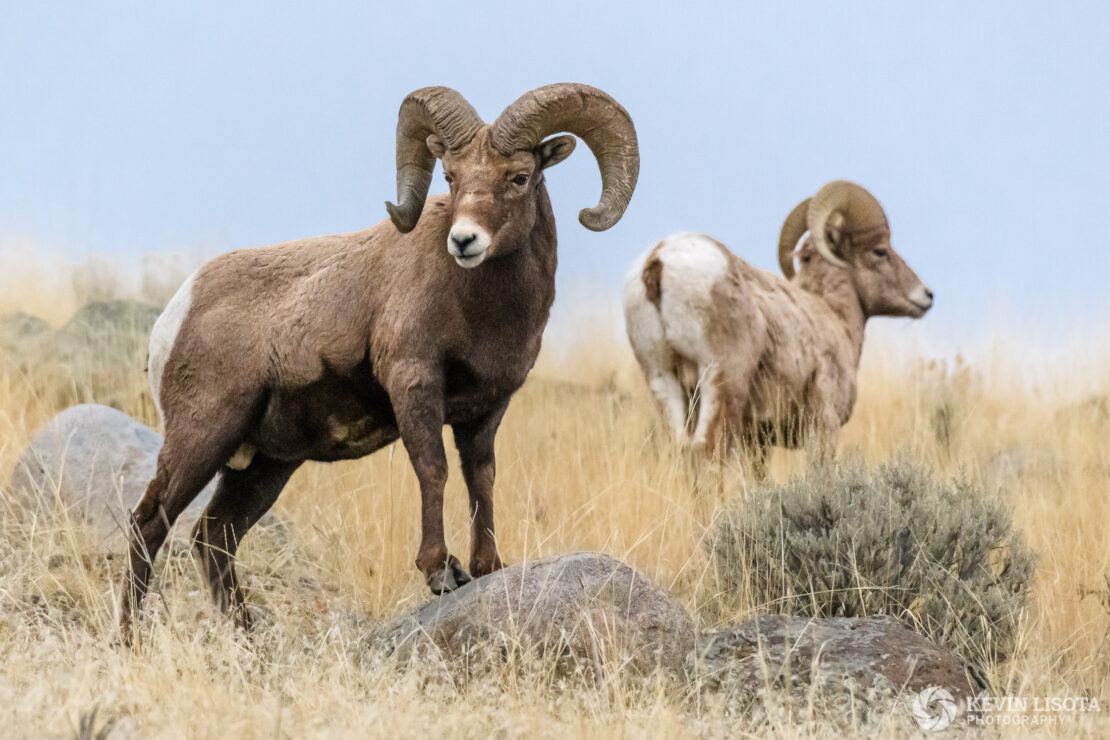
[939, 555]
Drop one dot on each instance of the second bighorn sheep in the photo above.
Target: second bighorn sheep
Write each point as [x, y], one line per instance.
[731, 352]
[333, 347]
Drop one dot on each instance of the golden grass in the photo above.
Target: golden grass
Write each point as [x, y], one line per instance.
[582, 465]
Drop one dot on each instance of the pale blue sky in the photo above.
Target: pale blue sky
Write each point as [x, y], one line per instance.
[982, 127]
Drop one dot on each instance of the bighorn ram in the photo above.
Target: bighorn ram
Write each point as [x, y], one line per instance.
[333, 347]
[730, 351]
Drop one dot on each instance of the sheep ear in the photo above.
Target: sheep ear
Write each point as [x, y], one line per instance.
[436, 146]
[834, 230]
[554, 151]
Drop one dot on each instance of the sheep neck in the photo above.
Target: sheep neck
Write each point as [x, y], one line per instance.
[835, 288]
[519, 283]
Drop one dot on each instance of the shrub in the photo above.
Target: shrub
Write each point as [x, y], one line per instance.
[99, 356]
[942, 557]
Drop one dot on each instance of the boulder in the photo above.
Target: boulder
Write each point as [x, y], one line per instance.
[837, 655]
[584, 609]
[97, 461]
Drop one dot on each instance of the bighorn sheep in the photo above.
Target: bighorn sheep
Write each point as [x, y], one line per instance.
[732, 352]
[333, 347]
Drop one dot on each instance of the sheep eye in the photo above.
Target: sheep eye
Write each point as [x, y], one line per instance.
[880, 252]
[448, 178]
[520, 179]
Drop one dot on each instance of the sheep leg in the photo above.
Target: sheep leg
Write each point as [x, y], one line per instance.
[672, 399]
[241, 498]
[417, 396]
[709, 432]
[475, 444]
[185, 465]
[724, 405]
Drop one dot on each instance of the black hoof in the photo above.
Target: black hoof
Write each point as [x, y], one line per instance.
[447, 580]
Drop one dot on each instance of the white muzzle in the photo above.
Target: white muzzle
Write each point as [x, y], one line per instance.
[468, 243]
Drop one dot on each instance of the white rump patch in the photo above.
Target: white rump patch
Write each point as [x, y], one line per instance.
[164, 335]
[644, 326]
[692, 265]
[673, 337]
[642, 322]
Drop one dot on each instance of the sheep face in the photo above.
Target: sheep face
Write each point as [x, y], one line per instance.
[494, 198]
[884, 282]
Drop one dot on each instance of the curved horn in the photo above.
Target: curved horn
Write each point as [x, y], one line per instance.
[591, 115]
[792, 229]
[860, 208]
[427, 111]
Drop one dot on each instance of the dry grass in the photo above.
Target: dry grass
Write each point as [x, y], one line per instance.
[582, 466]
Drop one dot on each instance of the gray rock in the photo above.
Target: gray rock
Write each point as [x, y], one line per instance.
[583, 608]
[98, 462]
[838, 655]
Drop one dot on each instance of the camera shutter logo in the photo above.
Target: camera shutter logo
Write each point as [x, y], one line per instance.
[934, 708]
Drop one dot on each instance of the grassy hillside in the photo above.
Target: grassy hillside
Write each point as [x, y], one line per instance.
[582, 465]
